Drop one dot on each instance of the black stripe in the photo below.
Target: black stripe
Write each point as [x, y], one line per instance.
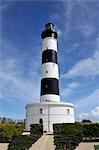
[49, 86]
[49, 33]
[49, 56]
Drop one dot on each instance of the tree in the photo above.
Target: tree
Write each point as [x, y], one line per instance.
[86, 120]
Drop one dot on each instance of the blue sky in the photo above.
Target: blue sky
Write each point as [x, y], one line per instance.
[77, 23]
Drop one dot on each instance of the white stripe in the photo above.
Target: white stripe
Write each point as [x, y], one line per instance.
[49, 70]
[49, 43]
[50, 97]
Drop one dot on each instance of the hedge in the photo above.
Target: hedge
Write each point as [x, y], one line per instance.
[9, 131]
[96, 147]
[36, 129]
[69, 142]
[90, 131]
[67, 128]
[26, 141]
[67, 136]
[23, 142]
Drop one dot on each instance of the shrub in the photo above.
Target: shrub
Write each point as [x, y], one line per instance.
[8, 131]
[36, 129]
[96, 147]
[90, 130]
[67, 135]
[23, 142]
[67, 128]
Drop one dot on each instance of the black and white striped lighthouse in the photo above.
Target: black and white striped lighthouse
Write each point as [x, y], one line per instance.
[50, 110]
[49, 68]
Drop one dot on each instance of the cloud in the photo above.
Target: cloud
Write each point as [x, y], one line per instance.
[19, 78]
[69, 89]
[89, 101]
[58, 31]
[93, 115]
[88, 67]
[73, 85]
[87, 29]
[13, 88]
[55, 16]
[3, 4]
[68, 16]
[75, 45]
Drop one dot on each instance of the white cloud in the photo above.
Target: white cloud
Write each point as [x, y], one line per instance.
[95, 112]
[73, 85]
[19, 75]
[58, 31]
[13, 88]
[85, 68]
[89, 101]
[86, 29]
[75, 45]
[55, 16]
[68, 16]
[69, 89]
[93, 115]
[14, 84]
[4, 4]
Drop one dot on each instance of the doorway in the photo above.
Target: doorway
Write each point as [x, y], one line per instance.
[41, 121]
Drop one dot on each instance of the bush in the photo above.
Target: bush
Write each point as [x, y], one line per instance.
[23, 142]
[96, 147]
[26, 141]
[90, 131]
[67, 135]
[36, 129]
[8, 131]
[67, 128]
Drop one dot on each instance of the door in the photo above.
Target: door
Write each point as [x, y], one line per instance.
[41, 121]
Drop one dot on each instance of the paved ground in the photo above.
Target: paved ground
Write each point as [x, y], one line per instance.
[87, 146]
[46, 142]
[4, 146]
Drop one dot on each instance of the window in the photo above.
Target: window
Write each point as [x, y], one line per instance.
[41, 111]
[46, 59]
[46, 86]
[47, 100]
[68, 111]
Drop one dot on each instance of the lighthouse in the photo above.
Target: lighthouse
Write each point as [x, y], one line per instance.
[49, 68]
[49, 109]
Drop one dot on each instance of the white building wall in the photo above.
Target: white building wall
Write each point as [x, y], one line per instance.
[51, 114]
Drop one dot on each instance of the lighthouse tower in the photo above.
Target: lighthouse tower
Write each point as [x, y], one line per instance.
[49, 109]
[49, 68]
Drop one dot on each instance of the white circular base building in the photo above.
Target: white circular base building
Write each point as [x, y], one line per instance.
[49, 113]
